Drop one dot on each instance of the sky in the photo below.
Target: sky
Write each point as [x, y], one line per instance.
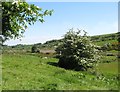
[94, 17]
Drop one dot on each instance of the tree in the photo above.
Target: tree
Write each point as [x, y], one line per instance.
[77, 52]
[17, 15]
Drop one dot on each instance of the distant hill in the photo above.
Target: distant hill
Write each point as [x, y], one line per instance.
[104, 37]
[52, 44]
[98, 39]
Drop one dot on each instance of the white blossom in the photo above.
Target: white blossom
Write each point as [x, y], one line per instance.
[29, 8]
[15, 2]
[38, 7]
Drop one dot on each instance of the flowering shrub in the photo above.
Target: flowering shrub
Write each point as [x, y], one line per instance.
[77, 51]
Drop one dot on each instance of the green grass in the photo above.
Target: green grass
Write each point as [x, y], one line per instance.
[109, 64]
[101, 43]
[27, 72]
[107, 59]
[114, 52]
[111, 68]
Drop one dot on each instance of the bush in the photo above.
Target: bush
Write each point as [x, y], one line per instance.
[34, 49]
[110, 54]
[77, 52]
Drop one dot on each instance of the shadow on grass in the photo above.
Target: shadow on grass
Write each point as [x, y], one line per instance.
[53, 64]
[57, 65]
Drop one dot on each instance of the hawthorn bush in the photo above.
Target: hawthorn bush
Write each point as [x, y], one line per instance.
[77, 51]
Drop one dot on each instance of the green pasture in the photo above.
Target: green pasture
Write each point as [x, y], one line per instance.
[32, 72]
[101, 43]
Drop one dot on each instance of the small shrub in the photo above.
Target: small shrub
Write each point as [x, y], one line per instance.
[109, 46]
[77, 52]
[34, 49]
[110, 54]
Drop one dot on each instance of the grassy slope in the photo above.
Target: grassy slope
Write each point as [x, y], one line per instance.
[101, 43]
[32, 72]
[111, 68]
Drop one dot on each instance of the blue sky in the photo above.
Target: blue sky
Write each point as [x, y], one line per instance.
[94, 17]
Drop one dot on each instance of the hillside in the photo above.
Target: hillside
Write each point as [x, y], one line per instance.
[99, 40]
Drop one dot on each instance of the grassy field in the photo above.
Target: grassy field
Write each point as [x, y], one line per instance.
[28, 72]
[101, 43]
[108, 68]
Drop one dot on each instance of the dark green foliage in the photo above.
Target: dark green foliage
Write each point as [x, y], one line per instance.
[108, 58]
[105, 37]
[77, 52]
[34, 49]
[110, 54]
[110, 46]
[106, 46]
